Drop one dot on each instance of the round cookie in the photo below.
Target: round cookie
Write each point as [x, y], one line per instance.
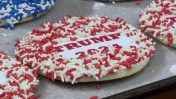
[18, 11]
[159, 20]
[85, 49]
[16, 81]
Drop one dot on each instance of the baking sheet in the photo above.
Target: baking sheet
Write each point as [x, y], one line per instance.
[161, 66]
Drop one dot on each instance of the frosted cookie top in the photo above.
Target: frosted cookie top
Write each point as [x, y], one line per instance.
[16, 81]
[159, 19]
[83, 47]
[12, 11]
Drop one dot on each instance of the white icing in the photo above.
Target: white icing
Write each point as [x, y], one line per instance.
[123, 41]
[3, 78]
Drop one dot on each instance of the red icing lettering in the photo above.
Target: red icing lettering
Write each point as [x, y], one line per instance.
[172, 19]
[85, 42]
[59, 48]
[115, 36]
[100, 39]
[72, 46]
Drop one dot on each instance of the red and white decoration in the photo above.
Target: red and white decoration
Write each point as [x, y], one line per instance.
[79, 47]
[159, 19]
[16, 81]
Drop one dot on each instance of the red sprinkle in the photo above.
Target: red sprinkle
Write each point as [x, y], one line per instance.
[93, 97]
[170, 38]
[98, 86]
[138, 2]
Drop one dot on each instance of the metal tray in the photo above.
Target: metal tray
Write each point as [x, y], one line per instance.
[159, 68]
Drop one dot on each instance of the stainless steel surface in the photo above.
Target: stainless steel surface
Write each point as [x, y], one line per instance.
[160, 67]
